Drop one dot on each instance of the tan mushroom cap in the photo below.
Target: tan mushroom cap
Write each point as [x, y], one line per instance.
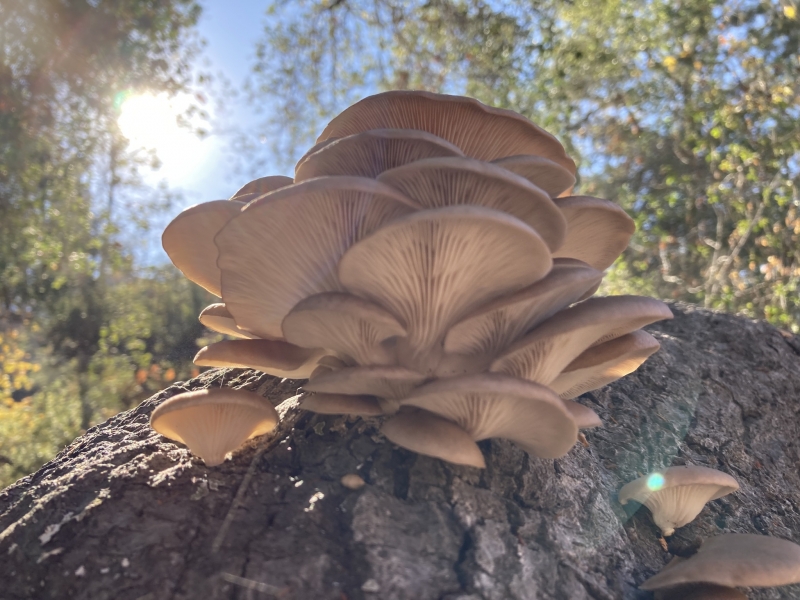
[215, 421]
[277, 358]
[700, 591]
[189, 241]
[261, 186]
[604, 363]
[390, 382]
[217, 318]
[456, 181]
[492, 327]
[345, 323]
[676, 495]
[480, 131]
[431, 268]
[286, 245]
[341, 404]
[370, 153]
[545, 352]
[597, 230]
[549, 176]
[585, 417]
[425, 433]
[490, 405]
[735, 560]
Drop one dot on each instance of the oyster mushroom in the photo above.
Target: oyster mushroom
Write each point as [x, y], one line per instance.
[676, 495]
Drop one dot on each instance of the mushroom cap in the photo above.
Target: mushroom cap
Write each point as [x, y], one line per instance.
[541, 172]
[585, 417]
[286, 245]
[259, 187]
[700, 591]
[189, 241]
[345, 323]
[735, 560]
[432, 267]
[456, 180]
[491, 328]
[488, 405]
[214, 421]
[341, 404]
[676, 495]
[425, 433]
[370, 153]
[275, 357]
[597, 230]
[480, 131]
[542, 354]
[217, 318]
[390, 382]
[604, 363]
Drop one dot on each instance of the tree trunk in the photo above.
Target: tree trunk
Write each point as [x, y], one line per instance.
[123, 513]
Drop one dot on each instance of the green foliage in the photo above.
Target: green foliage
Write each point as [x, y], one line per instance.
[684, 113]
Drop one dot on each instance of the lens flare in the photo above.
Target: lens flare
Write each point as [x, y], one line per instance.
[655, 482]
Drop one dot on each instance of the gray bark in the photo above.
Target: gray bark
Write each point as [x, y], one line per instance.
[124, 513]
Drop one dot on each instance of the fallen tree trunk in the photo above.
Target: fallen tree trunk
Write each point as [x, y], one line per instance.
[123, 513]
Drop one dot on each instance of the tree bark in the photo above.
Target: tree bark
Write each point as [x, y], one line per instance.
[124, 513]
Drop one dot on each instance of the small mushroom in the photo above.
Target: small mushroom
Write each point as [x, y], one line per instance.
[541, 172]
[217, 318]
[425, 433]
[604, 363]
[431, 268]
[189, 241]
[215, 421]
[597, 230]
[345, 323]
[457, 181]
[286, 245]
[542, 354]
[734, 560]
[676, 495]
[370, 153]
[489, 405]
[275, 357]
[480, 131]
[261, 186]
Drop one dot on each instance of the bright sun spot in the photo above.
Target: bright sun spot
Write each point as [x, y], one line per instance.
[655, 482]
[151, 122]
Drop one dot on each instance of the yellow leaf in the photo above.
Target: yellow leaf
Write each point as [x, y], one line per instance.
[790, 11]
[670, 62]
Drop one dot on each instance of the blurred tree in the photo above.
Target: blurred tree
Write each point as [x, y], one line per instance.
[684, 113]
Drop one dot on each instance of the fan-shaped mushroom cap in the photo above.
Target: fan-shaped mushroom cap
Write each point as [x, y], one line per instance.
[285, 246]
[370, 153]
[274, 357]
[700, 591]
[480, 131]
[261, 186]
[735, 560]
[432, 267]
[455, 180]
[217, 318]
[341, 404]
[386, 382]
[604, 363]
[345, 323]
[431, 435]
[549, 176]
[189, 241]
[585, 417]
[494, 326]
[543, 353]
[489, 405]
[214, 421]
[597, 230]
[676, 495]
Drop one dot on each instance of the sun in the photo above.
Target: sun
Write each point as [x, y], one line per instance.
[151, 121]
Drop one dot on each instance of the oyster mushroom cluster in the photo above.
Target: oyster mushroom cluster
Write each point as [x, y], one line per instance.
[428, 263]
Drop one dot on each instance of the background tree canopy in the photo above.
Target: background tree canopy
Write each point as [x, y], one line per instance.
[685, 113]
